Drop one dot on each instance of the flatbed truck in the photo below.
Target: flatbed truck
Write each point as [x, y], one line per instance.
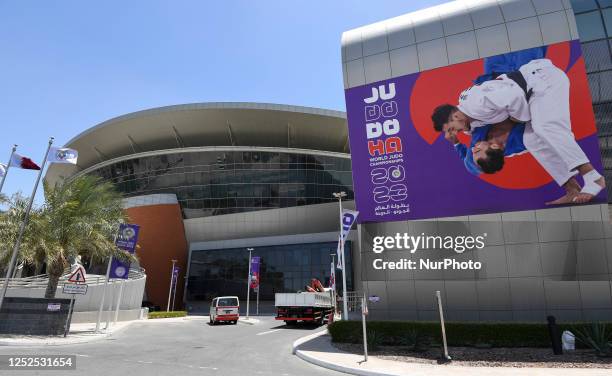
[312, 307]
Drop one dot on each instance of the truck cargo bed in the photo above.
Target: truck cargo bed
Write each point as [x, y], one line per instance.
[304, 299]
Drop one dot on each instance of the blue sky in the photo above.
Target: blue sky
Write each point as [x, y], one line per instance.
[68, 65]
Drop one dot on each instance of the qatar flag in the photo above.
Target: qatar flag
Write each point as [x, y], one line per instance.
[23, 162]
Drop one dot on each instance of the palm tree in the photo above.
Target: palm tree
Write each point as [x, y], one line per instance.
[78, 218]
[10, 221]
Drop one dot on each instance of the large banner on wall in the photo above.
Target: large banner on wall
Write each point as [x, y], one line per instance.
[505, 133]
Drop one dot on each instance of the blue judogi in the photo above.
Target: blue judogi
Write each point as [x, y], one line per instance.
[510, 62]
[514, 145]
[493, 67]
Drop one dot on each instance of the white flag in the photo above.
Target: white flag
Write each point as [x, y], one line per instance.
[62, 155]
[2, 170]
[348, 219]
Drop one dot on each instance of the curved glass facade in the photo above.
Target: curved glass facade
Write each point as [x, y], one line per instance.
[594, 22]
[284, 268]
[211, 183]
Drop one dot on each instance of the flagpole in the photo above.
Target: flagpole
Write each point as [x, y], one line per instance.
[339, 196]
[8, 165]
[175, 279]
[24, 223]
[170, 288]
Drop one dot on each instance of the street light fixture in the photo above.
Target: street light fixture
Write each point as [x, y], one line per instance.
[340, 196]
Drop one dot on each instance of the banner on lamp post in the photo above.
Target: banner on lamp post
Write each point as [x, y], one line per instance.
[255, 262]
[175, 274]
[127, 237]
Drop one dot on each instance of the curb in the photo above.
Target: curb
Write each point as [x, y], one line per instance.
[330, 365]
[71, 342]
[298, 342]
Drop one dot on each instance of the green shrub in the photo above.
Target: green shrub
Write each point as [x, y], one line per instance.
[375, 339]
[419, 334]
[163, 315]
[414, 339]
[595, 336]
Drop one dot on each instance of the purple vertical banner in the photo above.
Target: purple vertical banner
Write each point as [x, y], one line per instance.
[119, 269]
[175, 274]
[255, 262]
[127, 237]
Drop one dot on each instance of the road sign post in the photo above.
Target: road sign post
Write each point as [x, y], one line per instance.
[118, 302]
[76, 285]
[101, 308]
[68, 318]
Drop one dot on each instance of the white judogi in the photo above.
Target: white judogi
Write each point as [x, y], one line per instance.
[549, 138]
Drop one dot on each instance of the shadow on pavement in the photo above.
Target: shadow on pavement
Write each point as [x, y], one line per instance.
[299, 326]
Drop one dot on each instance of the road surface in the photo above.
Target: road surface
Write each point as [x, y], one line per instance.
[185, 347]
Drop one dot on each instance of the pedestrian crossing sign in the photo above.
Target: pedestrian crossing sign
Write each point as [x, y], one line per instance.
[78, 276]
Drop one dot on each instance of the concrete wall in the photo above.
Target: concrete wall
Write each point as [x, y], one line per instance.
[535, 263]
[124, 315]
[263, 223]
[31, 316]
[133, 290]
[452, 33]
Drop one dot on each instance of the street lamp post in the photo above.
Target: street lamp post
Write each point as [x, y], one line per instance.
[170, 289]
[340, 196]
[249, 283]
[8, 166]
[333, 255]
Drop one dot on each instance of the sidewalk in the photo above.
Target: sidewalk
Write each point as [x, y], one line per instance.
[79, 333]
[250, 321]
[317, 349]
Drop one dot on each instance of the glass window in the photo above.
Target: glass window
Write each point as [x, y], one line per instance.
[227, 302]
[607, 16]
[590, 26]
[212, 183]
[583, 5]
[597, 56]
[605, 86]
[605, 3]
[214, 273]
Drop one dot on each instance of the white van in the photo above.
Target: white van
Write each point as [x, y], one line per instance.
[224, 308]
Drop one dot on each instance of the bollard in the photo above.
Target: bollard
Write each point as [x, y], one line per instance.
[555, 337]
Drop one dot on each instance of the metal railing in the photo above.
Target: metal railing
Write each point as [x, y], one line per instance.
[41, 280]
[354, 301]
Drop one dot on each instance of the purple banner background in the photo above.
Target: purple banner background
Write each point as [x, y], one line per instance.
[127, 243]
[437, 182]
[255, 262]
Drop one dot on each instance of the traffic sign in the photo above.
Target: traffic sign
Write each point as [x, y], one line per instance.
[70, 288]
[78, 276]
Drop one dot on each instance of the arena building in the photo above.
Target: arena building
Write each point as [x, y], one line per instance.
[536, 263]
[207, 181]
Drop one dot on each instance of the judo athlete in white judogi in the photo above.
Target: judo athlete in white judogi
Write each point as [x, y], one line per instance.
[536, 94]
